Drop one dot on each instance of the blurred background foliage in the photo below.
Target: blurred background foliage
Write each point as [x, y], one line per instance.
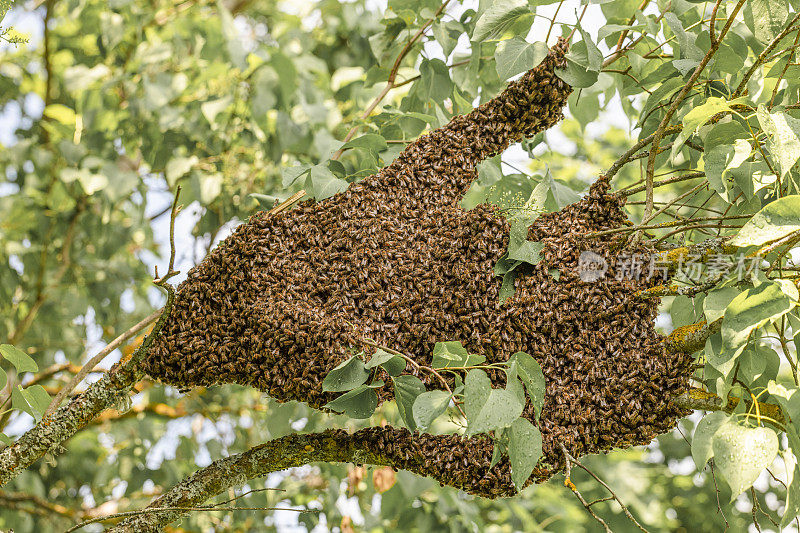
[110, 105]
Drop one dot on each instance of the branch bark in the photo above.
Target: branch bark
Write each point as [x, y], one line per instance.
[332, 446]
[108, 391]
[273, 456]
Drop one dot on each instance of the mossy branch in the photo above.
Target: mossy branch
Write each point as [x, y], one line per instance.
[331, 446]
[273, 456]
[689, 339]
[700, 400]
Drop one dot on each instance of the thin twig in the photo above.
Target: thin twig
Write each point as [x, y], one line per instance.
[417, 366]
[569, 484]
[671, 224]
[668, 181]
[660, 131]
[161, 281]
[94, 361]
[553, 20]
[633, 150]
[675, 200]
[613, 494]
[140, 512]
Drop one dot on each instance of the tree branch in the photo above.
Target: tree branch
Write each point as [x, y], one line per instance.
[662, 127]
[333, 446]
[689, 339]
[108, 391]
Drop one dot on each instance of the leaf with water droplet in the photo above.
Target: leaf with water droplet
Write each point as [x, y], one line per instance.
[742, 453]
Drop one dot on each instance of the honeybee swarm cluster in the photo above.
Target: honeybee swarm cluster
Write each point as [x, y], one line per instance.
[395, 259]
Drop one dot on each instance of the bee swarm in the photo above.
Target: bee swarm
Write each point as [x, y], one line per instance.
[395, 259]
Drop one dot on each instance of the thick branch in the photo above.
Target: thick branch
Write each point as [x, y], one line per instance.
[700, 400]
[332, 446]
[689, 339]
[273, 456]
[108, 391]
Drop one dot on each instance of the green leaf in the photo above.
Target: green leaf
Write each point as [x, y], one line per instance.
[587, 56]
[608, 30]
[519, 247]
[766, 18]
[359, 403]
[233, 41]
[447, 34]
[513, 384]
[784, 137]
[682, 311]
[576, 75]
[487, 408]
[559, 194]
[371, 142]
[3, 379]
[178, 167]
[322, 183]
[660, 94]
[498, 18]
[450, 350]
[292, 174]
[434, 83]
[33, 400]
[451, 354]
[722, 160]
[530, 372]
[689, 50]
[697, 117]
[524, 450]
[788, 398]
[721, 360]
[517, 55]
[393, 364]
[507, 286]
[406, 390]
[742, 453]
[209, 186]
[91, 182]
[752, 309]
[5, 439]
[703, 433]
[378, 358]
[21, 361]
[429, 406]
[212, 108]
[775, 221]
[726, 131]
[346, 376]
[498, 452]
[489, 171]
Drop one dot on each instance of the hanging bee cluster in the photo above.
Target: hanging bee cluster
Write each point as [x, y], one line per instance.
[395, 259]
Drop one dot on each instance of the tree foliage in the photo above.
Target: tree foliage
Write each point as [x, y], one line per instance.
[693, 109]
